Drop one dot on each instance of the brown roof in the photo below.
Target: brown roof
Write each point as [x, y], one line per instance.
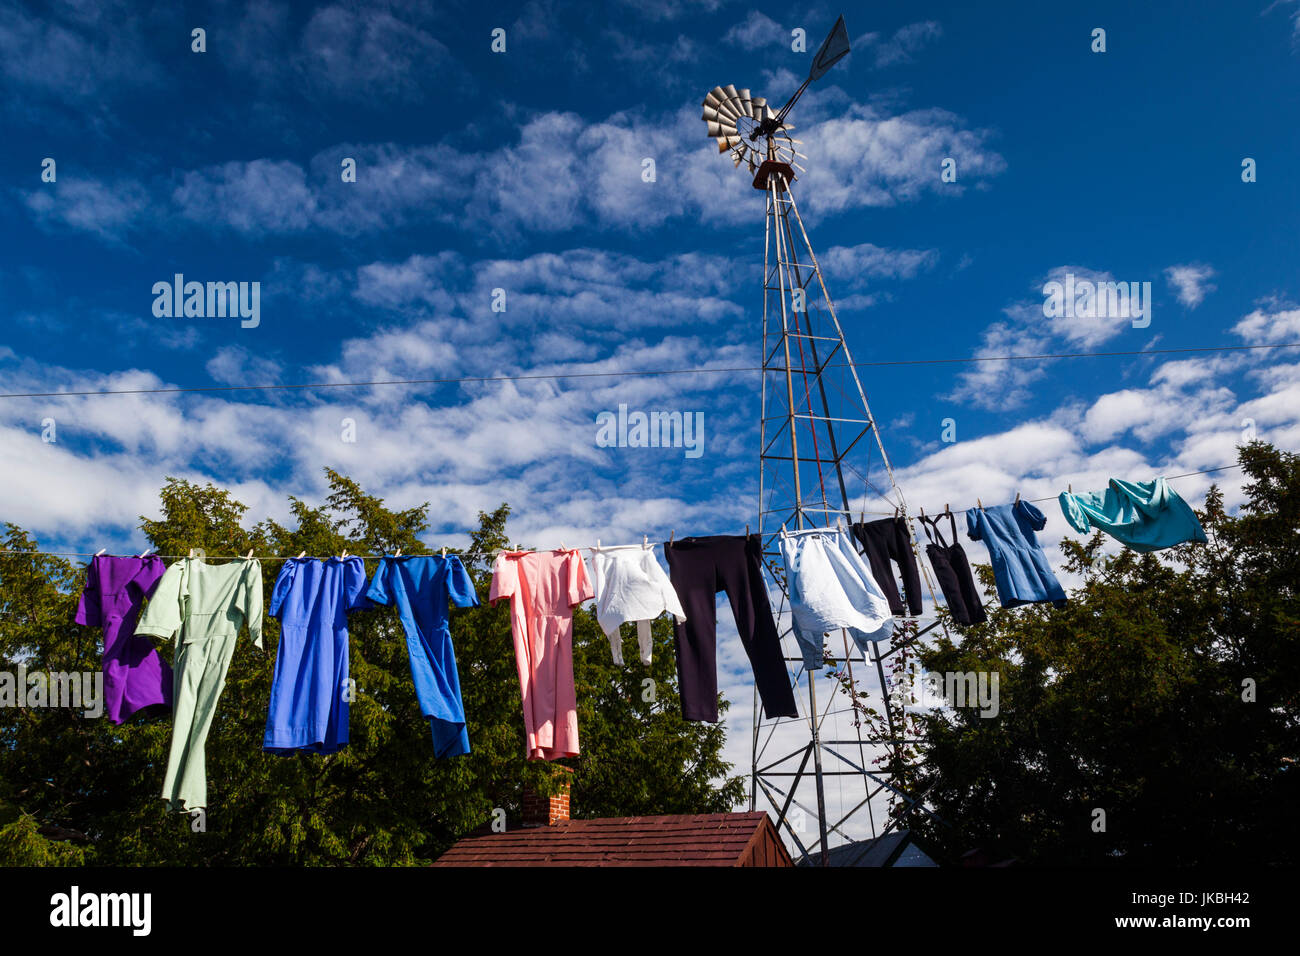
[706, 839]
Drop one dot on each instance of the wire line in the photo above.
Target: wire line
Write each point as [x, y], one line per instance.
[555, 376]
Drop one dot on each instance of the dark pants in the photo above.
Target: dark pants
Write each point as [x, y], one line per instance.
[699, 568]
[889, 540]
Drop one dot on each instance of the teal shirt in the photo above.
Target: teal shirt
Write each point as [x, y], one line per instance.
[1146, 516]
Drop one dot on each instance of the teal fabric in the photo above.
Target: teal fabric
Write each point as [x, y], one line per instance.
[1145, 515]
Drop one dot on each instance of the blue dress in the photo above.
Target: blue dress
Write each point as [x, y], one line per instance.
[421, 586]
[312, 598]
[1020, 567]
[1146, 516]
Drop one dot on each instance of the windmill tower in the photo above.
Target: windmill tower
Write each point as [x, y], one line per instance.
[819, 450]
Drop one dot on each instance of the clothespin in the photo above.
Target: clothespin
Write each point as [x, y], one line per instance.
[562, 546]
[249, 556]
[444, 552]
[1069, 489]
[191, 552]
[145, 552]
[746, 529]
[597, 544]
[100, 551]
[301, 555]
[672, 536]
[398, 554]
[922, 512]
[945, 508]
[344, 554]
[645, 541]
[1017, 497]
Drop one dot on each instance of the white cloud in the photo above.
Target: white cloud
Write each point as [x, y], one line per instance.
[755, 31]
[1264, 327]
[1191, 283]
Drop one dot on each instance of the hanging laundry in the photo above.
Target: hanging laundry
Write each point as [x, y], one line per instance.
[1020, 567]
[422, 587]
[204, 606]
[135, 676]
[889, 540]
[953, 571]
[699, 568]
[631, 586]
[312, 598]
[831, 587]
[544, 587]
[1145, 516]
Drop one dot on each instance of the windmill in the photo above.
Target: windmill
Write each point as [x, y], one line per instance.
[815, 427]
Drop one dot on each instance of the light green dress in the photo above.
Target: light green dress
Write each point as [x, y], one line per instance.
[204, 606]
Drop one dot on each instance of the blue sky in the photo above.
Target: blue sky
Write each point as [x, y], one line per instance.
[522, 171]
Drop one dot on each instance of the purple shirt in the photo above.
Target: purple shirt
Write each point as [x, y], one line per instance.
[134, 675]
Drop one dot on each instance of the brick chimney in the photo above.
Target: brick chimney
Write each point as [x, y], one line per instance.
[540, 811]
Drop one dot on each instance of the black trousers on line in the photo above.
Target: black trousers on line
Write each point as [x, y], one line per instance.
[885, 540]
[699, 568]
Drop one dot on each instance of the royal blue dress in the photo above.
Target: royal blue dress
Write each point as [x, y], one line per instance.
[309, 698]
[1020, 567]
[421, 586]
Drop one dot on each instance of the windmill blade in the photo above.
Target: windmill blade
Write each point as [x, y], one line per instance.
[725, 143]
[833, 49]
[757, 105]
[721, 129]
[744, 103]
[711, 115]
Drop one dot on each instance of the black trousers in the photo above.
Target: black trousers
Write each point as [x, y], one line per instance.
[953, 571]
[699, 568]
[883, 541]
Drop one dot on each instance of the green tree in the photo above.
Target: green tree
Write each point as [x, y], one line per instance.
[1163, 695]
[77, 790]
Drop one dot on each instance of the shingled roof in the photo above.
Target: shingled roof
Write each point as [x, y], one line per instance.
[708, 839]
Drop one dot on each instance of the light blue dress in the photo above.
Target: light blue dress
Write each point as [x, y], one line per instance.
[1020, 567]
[421, 586]
[1144, 515]
[309, 709]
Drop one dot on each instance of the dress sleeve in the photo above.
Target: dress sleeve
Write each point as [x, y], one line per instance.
[1032, 516]
[163, 617]
[460, 588]
[378, 591]
[354, 585]
[579, 581]
[88, 608]
[672, 603]
[250, 600]
[504, 578]
[283, 585]
[973, 524]
[1076, 516]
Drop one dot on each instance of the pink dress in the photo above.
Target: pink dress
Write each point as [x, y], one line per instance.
[544, 587]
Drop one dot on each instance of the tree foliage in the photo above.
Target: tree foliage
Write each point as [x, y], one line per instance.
[1164, 695]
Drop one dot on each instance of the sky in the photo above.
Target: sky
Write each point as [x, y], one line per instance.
[516, 178]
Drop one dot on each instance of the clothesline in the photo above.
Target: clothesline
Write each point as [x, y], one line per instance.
[1189, 474]
[475, 553]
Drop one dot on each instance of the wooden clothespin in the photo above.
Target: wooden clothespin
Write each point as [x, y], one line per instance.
[922, 512]
[746, 529]
[1069, 489]
[344, 554]
[191, 552]
[100, 551]
[145, 552]
[597, 544]
[945, 508]
[249, 556]
[1017, 497]
[444, 552]
[672, 536]
[980, 503]
[398, 554]
[301, 555]
[645, 541]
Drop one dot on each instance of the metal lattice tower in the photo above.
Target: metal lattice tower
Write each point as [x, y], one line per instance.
[815, 427]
